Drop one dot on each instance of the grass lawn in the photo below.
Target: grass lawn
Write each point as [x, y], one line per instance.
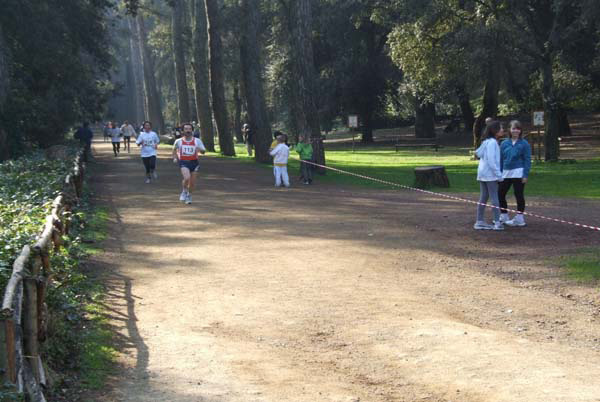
[580, 179]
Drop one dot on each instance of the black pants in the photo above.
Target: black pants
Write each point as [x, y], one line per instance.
[306, 171]
[519, 193]
[116, 147]
[149, 164]
[127, 143]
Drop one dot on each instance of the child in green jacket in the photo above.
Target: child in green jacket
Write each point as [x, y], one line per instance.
[305, 151]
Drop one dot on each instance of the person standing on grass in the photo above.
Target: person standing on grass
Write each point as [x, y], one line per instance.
[280, 155]
[115, 137]
[185, 152]
[305, 152]
[248, 135]
[128, 131]
[148, 140]
[516, 164]
[489, 175]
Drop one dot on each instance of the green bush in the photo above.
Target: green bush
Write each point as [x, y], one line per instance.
[28, 186]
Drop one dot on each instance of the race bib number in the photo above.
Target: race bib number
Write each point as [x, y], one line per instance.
[188, 150]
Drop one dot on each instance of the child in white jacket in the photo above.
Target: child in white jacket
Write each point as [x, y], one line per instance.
[280, 155]
[488, 175]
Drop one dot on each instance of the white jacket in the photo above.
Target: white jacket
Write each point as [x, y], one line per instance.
[280, 155]
[489, 161]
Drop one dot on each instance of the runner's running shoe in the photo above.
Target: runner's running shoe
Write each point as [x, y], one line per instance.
[183, 196]
[188, 199]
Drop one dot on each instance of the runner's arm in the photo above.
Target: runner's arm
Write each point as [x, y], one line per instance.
[175, 155]
[200, 146]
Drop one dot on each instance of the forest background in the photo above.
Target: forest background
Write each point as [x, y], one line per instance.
[299, 66]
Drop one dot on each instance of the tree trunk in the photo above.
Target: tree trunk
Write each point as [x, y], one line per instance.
[201, 81]
[300, 21]
[552, 111]
[367, 126]
[465, 107]
[237, 117]
[151, 97]
[217, 84]
[178, 42]
[424, 119]
[564, 126]
[490, 100]
[4, 83]
[138, 72]
[253, 83]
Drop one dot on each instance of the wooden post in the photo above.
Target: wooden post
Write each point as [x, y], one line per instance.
[11, 347]
[539, 138]
[31, 316]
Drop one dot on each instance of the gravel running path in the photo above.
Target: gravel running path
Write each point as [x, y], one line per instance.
[330, 293]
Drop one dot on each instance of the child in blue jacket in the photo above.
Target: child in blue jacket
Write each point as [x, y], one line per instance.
[516, 164]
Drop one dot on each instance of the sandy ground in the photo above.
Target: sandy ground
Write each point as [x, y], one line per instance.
[330, 293]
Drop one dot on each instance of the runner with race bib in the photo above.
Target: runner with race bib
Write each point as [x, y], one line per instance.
[185, 153]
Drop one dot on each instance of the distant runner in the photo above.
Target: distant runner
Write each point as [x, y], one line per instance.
[149, 141]
[128, 131]
[185, 153]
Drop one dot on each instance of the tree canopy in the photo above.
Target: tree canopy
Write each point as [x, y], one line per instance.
[307, 66]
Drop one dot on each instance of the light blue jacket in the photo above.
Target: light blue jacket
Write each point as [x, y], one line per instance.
[516, 156]
[489, 161]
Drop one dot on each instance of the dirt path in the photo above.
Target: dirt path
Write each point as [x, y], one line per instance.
[326, 293]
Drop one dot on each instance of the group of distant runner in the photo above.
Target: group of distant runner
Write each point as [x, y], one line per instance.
[189, 146]
[501, 166]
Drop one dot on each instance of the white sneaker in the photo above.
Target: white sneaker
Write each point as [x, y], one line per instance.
[481, 225]
[504, 218]
[155, 175]
[147, 181]
[498, 226]
[518, 220]
[188, 198]
[183, 196]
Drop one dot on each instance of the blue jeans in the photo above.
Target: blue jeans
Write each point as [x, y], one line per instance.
[488, 189]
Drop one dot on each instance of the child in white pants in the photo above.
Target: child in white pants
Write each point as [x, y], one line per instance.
[280, 155]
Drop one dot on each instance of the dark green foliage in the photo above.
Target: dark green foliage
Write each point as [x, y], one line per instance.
[28, 186]
[59, 60]
[77, 342]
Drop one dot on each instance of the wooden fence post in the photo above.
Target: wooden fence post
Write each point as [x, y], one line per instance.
[30, 315]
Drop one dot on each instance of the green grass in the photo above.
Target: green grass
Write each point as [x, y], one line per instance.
[94, 231]
[98, 355]
[580, 179]
[583, 267]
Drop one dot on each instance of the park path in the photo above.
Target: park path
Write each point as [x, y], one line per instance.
[329, 293]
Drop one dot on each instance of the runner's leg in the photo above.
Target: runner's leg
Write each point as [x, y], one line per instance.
[192, 184]
[185, 183]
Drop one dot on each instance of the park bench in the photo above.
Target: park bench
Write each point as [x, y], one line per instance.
[404, 142]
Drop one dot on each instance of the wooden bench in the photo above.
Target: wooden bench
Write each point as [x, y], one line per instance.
[417, 143]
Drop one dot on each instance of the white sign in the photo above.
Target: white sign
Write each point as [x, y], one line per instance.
[538, 119]
[353, 121]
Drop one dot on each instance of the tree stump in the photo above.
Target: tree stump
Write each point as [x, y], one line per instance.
[428, 176]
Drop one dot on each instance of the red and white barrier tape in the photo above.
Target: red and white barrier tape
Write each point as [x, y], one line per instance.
[450, 197]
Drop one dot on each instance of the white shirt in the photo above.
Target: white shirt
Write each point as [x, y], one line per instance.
[128, 130]
[280, 154]
[489, 161]
[115, 134]
[149, 141]
[513, 173]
